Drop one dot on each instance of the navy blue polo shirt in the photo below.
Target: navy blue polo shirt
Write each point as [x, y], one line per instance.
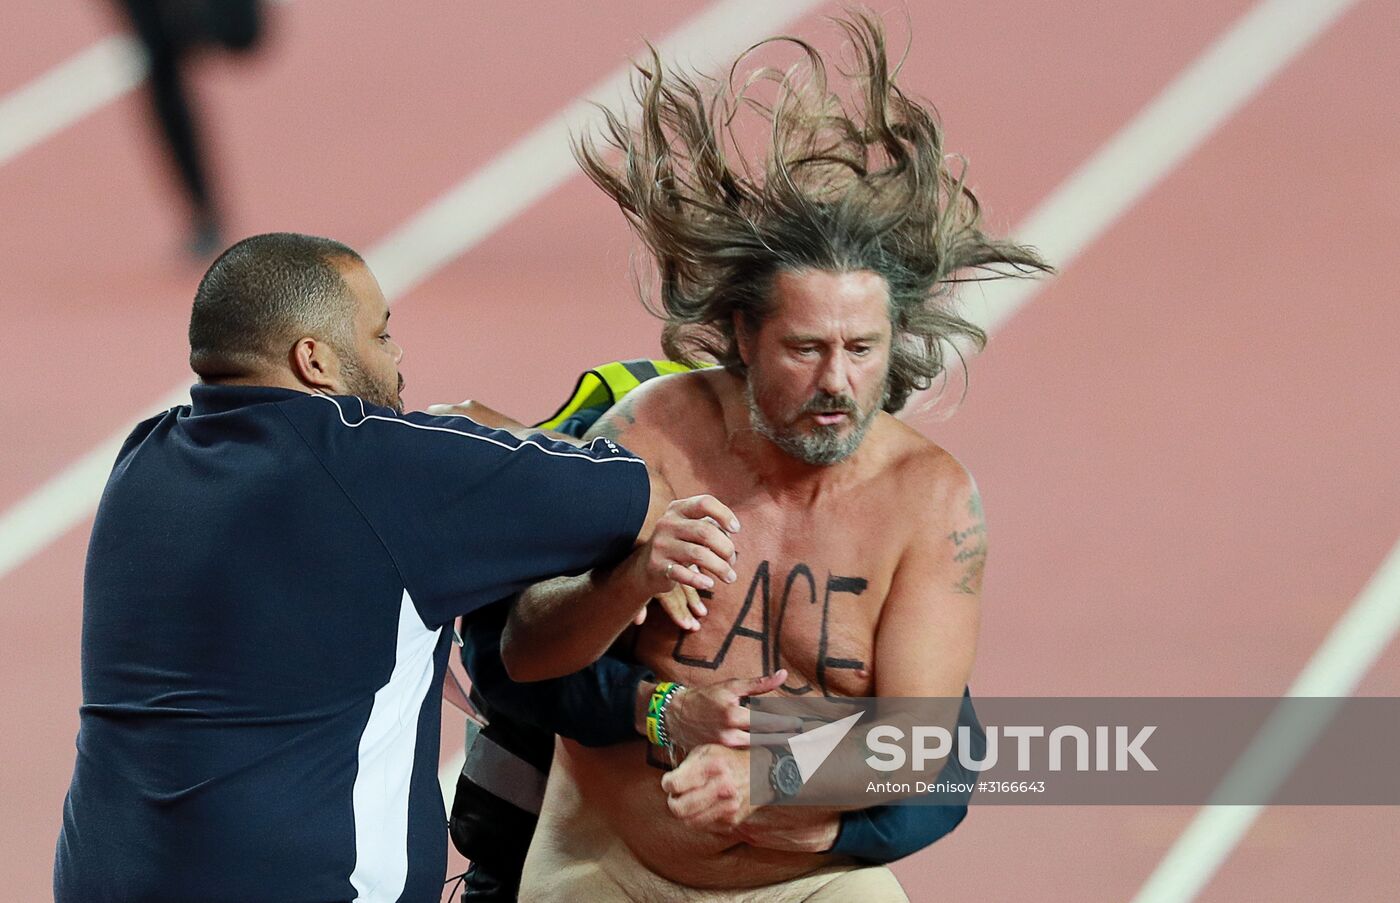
[267, 604]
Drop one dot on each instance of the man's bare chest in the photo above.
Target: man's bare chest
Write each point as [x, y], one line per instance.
[812, 583]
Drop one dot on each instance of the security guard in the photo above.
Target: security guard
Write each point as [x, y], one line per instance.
[270, 581]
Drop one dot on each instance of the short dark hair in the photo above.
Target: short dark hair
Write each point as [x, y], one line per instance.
[265, 291]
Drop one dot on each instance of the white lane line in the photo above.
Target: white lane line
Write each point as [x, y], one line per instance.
[1354, 644]
[541, 162]
[465, 215]
[1202, 97]
[85, 82]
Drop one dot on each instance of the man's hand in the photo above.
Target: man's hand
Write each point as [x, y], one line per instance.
[709, 791]
[561, 625]
[792, 829]
[680, 602]
[689, 547]
[480, 413]
[490, 417]
[716, 714]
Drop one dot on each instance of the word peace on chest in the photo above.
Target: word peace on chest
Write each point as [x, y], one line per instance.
[771, 604]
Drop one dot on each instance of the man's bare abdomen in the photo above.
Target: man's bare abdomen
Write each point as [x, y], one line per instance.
[605, 813]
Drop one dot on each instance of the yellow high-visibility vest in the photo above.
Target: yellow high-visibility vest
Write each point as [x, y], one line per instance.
[605, 385]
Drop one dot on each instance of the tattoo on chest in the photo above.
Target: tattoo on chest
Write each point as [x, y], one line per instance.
[759, 622]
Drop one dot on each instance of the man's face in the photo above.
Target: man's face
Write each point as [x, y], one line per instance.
[370, 367]
[819, 365]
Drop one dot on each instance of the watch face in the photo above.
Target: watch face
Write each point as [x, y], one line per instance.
[787, 779]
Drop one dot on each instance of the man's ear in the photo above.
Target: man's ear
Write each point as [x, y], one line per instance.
[741, 336]
[315, 364]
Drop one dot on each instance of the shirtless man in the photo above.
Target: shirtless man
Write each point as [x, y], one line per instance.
[822, 293]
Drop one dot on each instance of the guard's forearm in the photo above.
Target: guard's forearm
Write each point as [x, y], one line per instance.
[594, 706]
[562, 625]
[640, 705]
[885, 834]
[862, 776]
[526, 432]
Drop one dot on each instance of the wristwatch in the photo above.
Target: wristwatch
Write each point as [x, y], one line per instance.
[784, 776]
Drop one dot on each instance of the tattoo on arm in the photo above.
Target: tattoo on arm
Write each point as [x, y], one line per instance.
[971, 545]
[605, 428]
[615, 421]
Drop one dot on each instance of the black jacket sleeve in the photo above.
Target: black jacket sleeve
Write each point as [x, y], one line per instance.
[882, 834]
[593, 706]
[471, 515]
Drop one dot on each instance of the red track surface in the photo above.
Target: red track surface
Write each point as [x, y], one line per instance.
[1186, 442]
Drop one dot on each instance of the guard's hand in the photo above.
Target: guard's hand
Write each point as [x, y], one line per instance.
[480, 413]
[716, 714]
[682, 604]
[709, 791]
[792, 829]
[689, 546]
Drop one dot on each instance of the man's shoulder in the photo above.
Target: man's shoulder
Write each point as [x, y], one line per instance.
[163, 420]
[352, 416]
[926, 470]
[666, 407]
[334, 426]
[696, 393]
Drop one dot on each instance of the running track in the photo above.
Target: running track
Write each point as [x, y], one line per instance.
[1186, 442]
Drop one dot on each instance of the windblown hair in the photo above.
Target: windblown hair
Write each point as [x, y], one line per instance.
[261, 295]
[845, 185]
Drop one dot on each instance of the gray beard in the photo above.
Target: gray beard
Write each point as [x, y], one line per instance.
[822, 447]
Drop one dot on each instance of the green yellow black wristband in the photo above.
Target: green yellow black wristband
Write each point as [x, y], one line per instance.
[656, 712]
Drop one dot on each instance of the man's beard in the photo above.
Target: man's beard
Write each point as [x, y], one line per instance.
[824, 445]
[359, 382]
